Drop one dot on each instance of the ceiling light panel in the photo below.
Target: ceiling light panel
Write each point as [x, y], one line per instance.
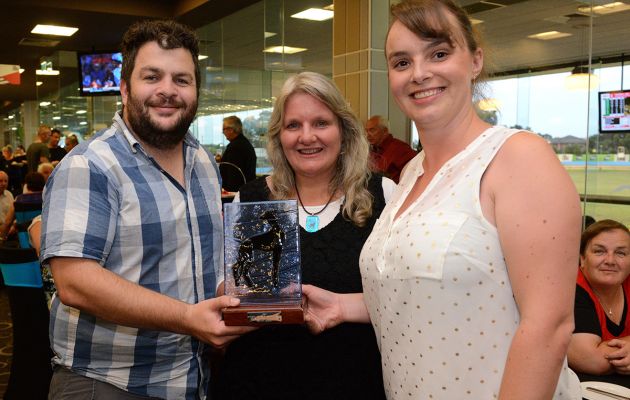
[54, 30]
[603, 9]
[549, 35]
[46, 72]
[314, 14]
[284, 49]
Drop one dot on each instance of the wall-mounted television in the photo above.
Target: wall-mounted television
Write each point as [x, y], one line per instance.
[99, 73]
[614, 111]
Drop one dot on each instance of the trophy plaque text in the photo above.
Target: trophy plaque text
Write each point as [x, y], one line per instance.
[262, 263]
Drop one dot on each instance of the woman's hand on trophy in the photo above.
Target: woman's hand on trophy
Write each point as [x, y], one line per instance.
[322, 308]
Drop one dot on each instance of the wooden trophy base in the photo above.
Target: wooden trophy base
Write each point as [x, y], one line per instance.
[263, 314]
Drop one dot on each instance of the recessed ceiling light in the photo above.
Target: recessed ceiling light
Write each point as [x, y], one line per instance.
[57, 118]
[39, 83]
[549, 35]
[609, 8]
[201, 57]
[21, 70]
[44, 103]
[284, 49]
[54, 30]
[81, 112]
[269, 34]
[314, 14]
[82, 123]
[47, 72]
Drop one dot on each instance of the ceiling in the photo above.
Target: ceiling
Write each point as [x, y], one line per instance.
[506, 25]
[101, 25]
[505, 30]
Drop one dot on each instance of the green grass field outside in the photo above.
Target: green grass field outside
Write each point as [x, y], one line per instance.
[605, 182]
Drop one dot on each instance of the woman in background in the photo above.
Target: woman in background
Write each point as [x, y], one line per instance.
[469, 272]
[319, 153]
[600, 346]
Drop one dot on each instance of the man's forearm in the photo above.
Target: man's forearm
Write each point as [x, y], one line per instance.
[85, 285]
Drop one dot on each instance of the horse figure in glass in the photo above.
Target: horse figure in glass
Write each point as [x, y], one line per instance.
[268, 241]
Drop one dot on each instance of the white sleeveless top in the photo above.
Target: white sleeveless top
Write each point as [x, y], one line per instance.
[437, 289]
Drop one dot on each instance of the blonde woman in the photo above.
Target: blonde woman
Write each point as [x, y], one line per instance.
[319, 153]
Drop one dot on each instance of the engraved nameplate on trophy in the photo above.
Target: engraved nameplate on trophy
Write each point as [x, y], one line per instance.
[262, 263]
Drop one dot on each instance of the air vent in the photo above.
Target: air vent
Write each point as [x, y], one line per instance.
[578, 20]
[595, 2]
[575, 20]
[508, 2]
[38, 42]
[481, 7]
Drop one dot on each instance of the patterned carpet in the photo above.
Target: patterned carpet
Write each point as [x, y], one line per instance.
[6, 341]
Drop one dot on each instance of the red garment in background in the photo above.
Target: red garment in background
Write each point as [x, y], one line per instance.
[601, 314]
[390, 157]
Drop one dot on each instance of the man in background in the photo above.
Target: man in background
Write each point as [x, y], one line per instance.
[56, 152]
[388, 154]
[38, 152]
[238, 163]
[71, 142]
[45, 169]
[132, 231]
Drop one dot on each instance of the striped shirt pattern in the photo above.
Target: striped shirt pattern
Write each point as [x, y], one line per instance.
[109, 201]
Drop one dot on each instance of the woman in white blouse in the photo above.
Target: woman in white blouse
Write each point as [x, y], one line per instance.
[469, 273]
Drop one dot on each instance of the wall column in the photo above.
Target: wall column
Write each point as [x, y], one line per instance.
[30, 120]
[359, 67]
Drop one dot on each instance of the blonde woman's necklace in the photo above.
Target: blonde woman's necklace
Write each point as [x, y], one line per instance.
[312, 219]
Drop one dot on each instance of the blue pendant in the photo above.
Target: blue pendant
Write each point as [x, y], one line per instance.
[312, 223]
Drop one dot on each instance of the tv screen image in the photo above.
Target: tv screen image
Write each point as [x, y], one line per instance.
[614, 111]
[99, 73]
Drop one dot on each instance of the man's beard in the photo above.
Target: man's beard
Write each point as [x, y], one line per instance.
[151, 133]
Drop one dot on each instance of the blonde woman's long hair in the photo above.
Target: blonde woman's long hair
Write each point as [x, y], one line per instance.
[351, 172]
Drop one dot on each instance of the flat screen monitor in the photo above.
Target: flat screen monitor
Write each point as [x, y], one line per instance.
[99, 73]
[614, 111]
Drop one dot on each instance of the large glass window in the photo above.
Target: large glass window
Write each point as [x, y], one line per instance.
[246, 58]
[599, 164]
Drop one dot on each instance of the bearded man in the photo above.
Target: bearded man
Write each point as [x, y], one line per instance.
[132, 232]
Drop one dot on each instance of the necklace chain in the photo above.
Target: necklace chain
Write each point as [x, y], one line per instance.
[610, 311]
[308, 212]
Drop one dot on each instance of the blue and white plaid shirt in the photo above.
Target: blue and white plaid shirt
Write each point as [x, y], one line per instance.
[109, 201]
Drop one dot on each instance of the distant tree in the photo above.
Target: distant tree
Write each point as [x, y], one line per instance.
[574, 149]
[608, 143]
[517, 126]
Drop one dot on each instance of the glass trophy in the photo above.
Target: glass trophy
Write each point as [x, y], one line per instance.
[262, 263]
